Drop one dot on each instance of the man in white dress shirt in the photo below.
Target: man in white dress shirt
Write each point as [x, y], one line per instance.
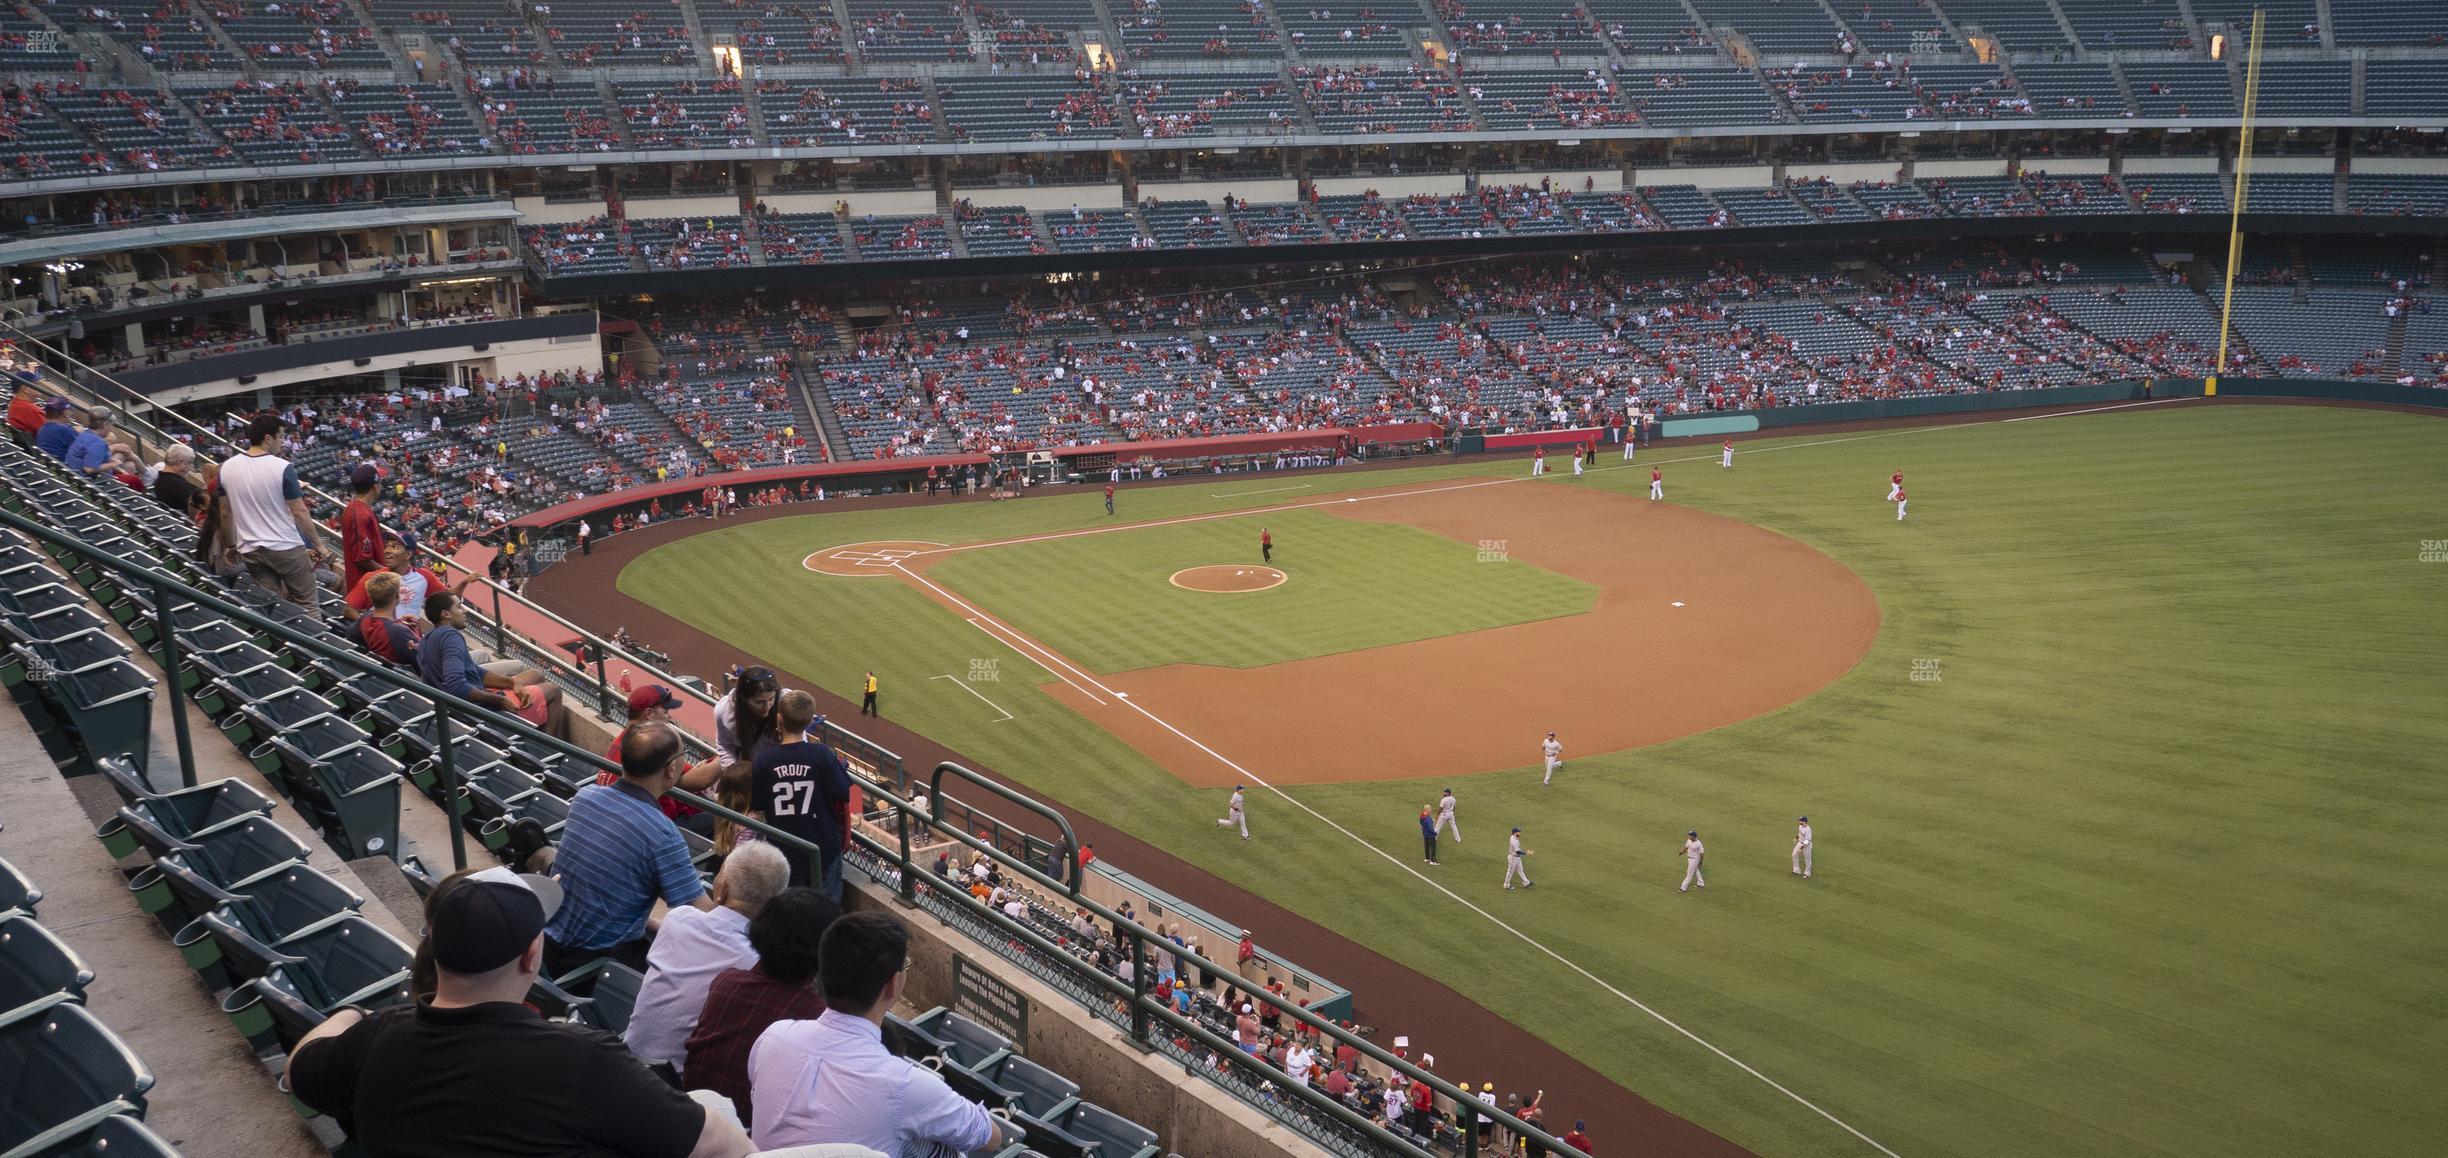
[832, 1079]
[694, 945]
[1802, 849]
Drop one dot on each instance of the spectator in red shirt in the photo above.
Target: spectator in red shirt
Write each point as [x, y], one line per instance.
[741, 1003]
[656, 702]
[379, 629]
[361, 537]
[1578, 1140]
[25, 413]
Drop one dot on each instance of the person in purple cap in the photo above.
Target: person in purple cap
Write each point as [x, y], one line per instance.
[361, 536]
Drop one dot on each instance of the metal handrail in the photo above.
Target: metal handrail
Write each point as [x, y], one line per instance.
[1145, 1010]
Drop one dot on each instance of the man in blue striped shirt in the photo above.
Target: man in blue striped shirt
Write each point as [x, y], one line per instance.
[619, 853]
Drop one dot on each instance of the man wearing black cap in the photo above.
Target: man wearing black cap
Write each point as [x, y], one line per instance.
[361, 537]
[474, 1070]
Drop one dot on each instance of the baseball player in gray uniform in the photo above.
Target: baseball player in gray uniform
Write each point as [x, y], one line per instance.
[1802, 848]
[1513, 861]
[1445, 816]
[1554, 753]
[1692, 853]
[1233, 815]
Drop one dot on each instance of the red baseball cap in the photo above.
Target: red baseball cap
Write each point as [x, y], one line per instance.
[650, 697]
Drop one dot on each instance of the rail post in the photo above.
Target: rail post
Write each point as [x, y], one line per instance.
[166, 618]
[448, 780]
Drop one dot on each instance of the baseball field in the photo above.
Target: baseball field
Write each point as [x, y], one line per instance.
[2125, 752]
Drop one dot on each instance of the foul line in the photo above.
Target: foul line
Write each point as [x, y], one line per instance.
[1497, 482]
[1260, 491]
[964, 686]
[1016, 642]
[980, 617]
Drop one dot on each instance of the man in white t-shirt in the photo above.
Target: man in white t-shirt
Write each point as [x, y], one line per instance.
[264, 520]
[1802, 848]
[586, 537]
[1692, 852]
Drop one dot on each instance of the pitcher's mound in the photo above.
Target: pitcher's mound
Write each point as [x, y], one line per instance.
[1228, 579]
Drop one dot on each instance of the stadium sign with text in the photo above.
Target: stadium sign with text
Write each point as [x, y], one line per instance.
[982, 997]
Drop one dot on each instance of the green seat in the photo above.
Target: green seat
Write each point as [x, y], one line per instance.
[65, 1073]
[35, 967]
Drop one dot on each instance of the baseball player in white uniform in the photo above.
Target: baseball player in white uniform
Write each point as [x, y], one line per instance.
[1657, 484]
[1538, 462]
[1692, 852]
[1554, 752]
[1234, 816]
[1513, 861]
[1445, 816]
[1895, 485]
[1728, 460]
[1801, 852]
[1578, 457]
[1899, 502]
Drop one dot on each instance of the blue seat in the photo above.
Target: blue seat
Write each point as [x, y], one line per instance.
[1036, 1091]
[1110, 1134]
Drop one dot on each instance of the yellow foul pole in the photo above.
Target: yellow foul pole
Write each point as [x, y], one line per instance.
[2243, 177]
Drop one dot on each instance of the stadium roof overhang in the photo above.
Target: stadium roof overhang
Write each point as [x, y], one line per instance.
[867, 151]
[87, 243]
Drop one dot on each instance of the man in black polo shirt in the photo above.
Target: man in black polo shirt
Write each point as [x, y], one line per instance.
[803, 788]
[475, 1071]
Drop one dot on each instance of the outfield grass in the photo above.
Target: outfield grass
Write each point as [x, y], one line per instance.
[1108, 601]
[2148, 868]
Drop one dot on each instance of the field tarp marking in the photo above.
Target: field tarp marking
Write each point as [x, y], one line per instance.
[981, 618]
[964, 686]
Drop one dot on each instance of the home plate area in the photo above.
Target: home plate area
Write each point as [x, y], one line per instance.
[866, 559]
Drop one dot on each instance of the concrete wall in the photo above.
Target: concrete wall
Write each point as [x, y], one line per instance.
[2293, 165]
[1188, 1114]
[2135, 165]
[1848, 172]
[2394, 165]
[534, 211]
[2067, 166]
[1212, 192]
[1392, 188]
[637, 208]
[1995, 168]
[1707, 176]
[1048, 198]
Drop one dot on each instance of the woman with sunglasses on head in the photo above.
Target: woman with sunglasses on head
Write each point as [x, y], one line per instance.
[746, 719]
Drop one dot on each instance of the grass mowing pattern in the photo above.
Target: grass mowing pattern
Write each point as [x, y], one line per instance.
[1106, 601]
[2150, 868]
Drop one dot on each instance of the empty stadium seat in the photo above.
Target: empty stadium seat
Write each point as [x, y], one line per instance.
[604, 993]
[35, 967]
[117, 1136]
[67, 1072]
[186, 813]
[17, 894]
